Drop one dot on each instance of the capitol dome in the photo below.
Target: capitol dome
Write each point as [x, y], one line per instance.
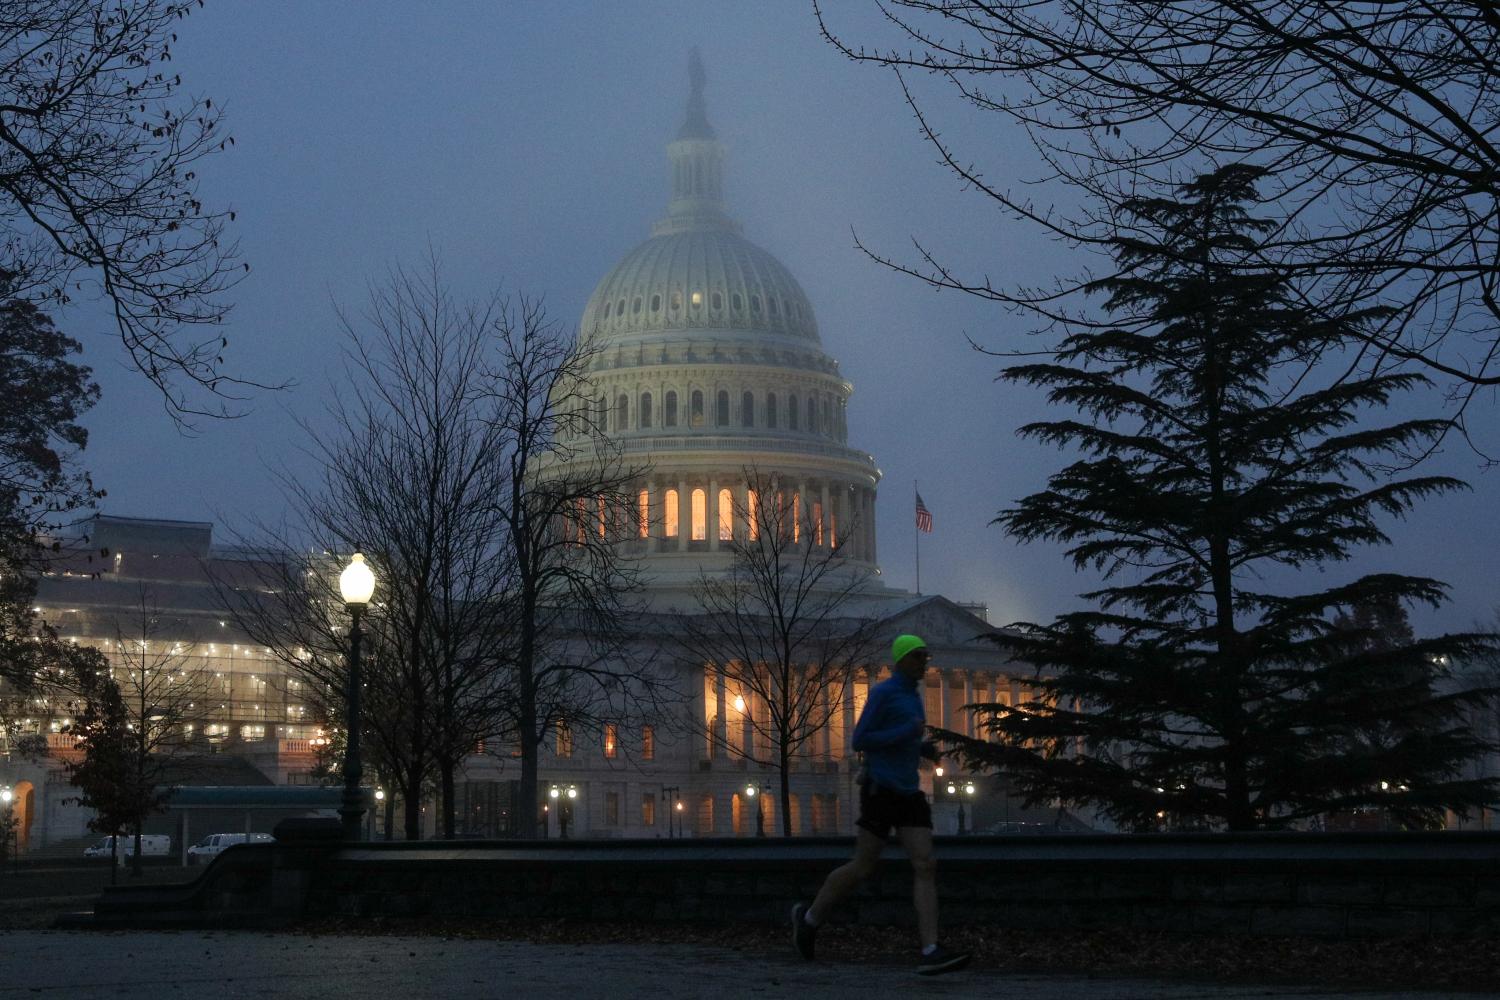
[708, 370]
[707, 278]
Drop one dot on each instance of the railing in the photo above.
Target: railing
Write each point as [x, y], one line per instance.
[296, 747]
[63, 741]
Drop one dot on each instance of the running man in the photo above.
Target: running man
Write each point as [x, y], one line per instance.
[889, 733]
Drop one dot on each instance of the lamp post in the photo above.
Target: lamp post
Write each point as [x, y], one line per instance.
[961, 790]
[669, 795]
[564, 797]
[356, 586]
[752, 790]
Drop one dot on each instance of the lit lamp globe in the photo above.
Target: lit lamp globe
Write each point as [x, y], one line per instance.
[6, 795]
[357, 581]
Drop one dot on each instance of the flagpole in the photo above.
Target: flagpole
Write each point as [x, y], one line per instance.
[916, 537]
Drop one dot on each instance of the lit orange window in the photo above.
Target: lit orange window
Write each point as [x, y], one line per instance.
[611, 741]
[700, 516]
[648, 743]
[669, 516]
[752, 514]
[603, 517]
[796, 517]
[833, 531]
[817, 514]
[726, 516]
[643, 514]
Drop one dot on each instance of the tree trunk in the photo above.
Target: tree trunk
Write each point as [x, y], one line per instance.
[786, 791]
[412, 805]
[526, 807]
[446, 769]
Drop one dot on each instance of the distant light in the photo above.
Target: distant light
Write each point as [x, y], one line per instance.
[739, 703]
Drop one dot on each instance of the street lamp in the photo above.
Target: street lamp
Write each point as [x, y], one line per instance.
[754, 791]
[356, 586]
[669, 795]
[564, 796]
[961, 790]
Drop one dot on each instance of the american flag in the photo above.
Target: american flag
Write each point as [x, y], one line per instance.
[924, 516]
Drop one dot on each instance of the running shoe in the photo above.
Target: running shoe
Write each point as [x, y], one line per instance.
[804, 935]
[940, 961]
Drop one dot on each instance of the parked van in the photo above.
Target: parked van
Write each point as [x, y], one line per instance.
[153, 845]
[213, 845]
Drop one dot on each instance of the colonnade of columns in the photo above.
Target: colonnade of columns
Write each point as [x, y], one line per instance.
[674, 512]
[945, 693]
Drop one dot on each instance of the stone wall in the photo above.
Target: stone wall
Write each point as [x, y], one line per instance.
[1334, 885]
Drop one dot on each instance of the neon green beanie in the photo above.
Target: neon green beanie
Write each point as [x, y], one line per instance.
[903, 645]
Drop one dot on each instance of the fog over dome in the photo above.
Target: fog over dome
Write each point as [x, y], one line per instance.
[708, 364]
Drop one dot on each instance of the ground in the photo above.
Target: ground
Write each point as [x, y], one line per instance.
[463, 958]
[228, 966]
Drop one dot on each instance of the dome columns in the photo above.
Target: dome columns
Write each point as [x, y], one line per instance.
[829, 513]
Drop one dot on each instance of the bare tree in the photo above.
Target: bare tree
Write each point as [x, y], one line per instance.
[99, 153]
[161, 699]
[781, 627]
[413, 457]
[1375, 122]
[570, 513]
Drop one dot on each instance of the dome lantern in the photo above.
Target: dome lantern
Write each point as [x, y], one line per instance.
[697, 167]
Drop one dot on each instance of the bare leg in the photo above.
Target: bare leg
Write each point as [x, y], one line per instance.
[847, 877]
[918, 843]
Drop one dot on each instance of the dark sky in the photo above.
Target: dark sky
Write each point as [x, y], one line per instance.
[524, 143]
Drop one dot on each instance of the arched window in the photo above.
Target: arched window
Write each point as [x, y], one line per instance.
[827, 424]
[601, 415]
[747, 410]
[752, 514]
[643, 514]
[695, 419]
[669, 419]
[722, 409]
[645, 411]
[726, 516]
[791, 412]
[812, 416]
[669, 514]
[700, 516]
[622, 412]
[771, 410]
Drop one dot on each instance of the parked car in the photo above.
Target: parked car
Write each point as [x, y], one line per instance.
[213, 845]
[153, 845]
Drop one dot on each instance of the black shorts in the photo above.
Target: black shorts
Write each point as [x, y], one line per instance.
[880, 809]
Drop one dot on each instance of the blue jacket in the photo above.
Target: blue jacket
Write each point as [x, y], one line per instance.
[889, 733]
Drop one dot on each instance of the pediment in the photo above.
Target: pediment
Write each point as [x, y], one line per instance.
[940, 622]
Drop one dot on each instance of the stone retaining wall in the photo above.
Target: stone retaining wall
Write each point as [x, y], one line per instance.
[1334, 885]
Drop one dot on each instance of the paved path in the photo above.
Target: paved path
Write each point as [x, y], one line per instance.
[227, 965]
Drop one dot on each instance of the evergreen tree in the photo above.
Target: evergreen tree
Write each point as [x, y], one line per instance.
[103, 775]
[1216, 458]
